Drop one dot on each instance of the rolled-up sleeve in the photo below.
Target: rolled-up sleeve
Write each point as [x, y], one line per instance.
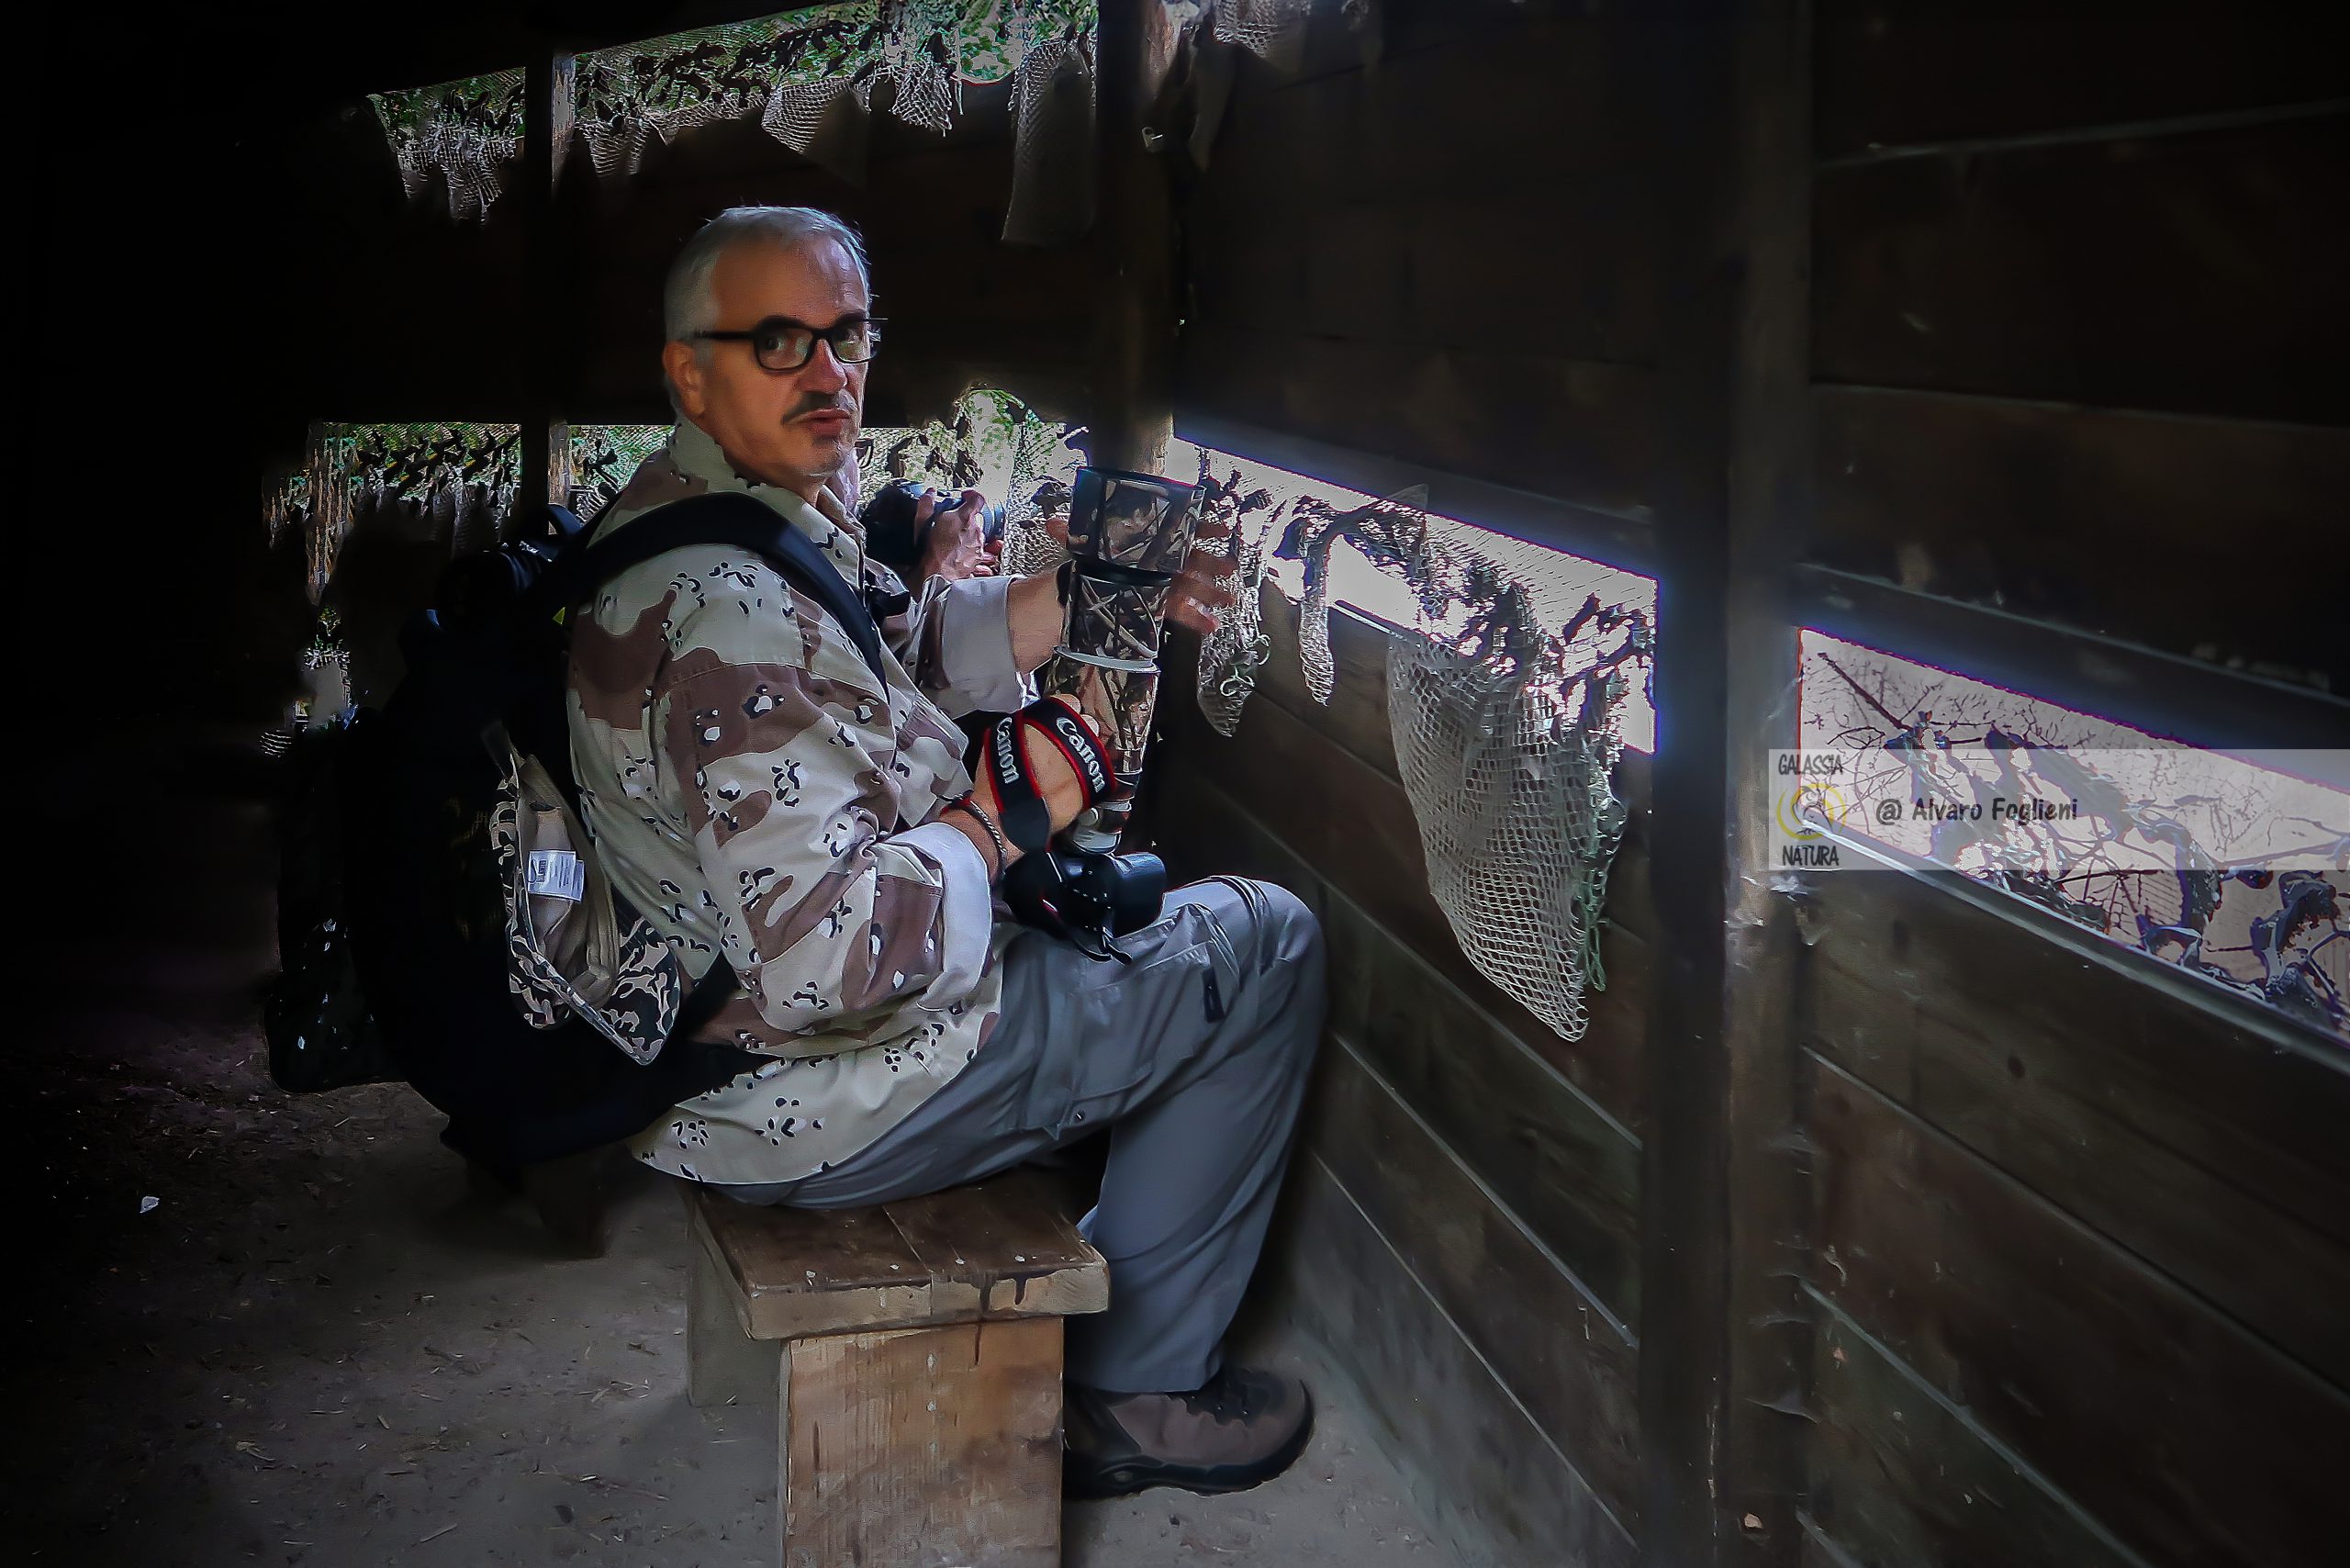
[966, 916]
[963, 643]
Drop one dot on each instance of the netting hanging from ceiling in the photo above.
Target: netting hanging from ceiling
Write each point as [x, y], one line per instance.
[461, 479]
[1274, 30]
[1505, 706]
[993, 442]
[1261, 27]
[1052, 115]
[801, 71]
[470, 131]
[1271, 29]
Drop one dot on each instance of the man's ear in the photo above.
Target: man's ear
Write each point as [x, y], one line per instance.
[684, 372]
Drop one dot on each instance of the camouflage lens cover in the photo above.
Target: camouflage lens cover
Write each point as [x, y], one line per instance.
[1138, 521]
[1118, 703]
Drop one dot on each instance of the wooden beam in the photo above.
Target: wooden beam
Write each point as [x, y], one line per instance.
[1134, 357]
[1719, 101]
[548, 326]
[2182, 698]
[1676, 89]
[1768, 1328]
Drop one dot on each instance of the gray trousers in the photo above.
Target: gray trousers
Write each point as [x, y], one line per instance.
[1196, 1055]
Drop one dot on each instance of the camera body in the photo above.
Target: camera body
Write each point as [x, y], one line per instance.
[1086, 897]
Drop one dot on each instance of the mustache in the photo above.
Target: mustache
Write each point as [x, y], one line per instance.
[817, 402]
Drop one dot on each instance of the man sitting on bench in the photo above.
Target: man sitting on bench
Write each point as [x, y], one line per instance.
[747, 788]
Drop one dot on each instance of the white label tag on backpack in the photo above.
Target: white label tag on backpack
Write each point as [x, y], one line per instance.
[555, 874]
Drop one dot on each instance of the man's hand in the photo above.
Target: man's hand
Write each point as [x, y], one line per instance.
[1206, 586]
[1209, 581]
[1056, 778]
[956, 548]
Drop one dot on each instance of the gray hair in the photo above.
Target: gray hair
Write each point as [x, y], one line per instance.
[688, 302]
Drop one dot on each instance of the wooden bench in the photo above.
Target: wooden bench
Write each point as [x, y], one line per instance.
[915, 1351]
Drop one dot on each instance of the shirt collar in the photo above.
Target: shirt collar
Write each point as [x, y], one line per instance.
[826, 523]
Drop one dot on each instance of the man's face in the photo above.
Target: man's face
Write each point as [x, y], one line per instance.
[793, 429]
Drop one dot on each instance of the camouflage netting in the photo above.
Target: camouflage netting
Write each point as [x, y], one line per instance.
[471, 131]
[1506, 710]
[599, 460]
[459, 480]
[809, 76]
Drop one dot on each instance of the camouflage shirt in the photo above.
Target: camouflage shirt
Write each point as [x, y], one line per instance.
[755, 791]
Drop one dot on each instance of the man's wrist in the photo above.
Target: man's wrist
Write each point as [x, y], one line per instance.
[997, 844]
[1038, 616]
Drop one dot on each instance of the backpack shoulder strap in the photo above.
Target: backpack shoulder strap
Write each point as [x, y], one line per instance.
[730, 517]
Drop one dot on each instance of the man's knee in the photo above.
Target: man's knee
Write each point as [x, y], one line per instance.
[1265, 924]
[1290, 932]
[1281, 951]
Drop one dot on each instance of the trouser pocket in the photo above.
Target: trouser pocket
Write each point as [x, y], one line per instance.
[1119, 1029]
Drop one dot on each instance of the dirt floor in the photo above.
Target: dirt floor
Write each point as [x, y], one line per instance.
[264, 1329]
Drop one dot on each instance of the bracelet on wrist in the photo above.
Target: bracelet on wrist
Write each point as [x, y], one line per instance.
[971, 808]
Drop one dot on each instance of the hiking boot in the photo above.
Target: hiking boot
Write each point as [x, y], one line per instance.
[1244, 1427]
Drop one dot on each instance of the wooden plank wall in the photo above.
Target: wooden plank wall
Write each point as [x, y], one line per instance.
[2070, 1241]
[1441, 257]
[2078, 326]
[2077, 1250]
[2088, 1229]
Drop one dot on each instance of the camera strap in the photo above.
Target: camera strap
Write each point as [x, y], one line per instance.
[1068, 731]
[1025, 821]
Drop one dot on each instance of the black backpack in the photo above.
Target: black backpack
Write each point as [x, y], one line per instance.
[391, 864]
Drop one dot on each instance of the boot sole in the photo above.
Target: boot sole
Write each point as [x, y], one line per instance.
[1123, 1478]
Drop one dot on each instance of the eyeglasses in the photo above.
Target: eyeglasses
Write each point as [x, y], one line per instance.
[782, 344]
